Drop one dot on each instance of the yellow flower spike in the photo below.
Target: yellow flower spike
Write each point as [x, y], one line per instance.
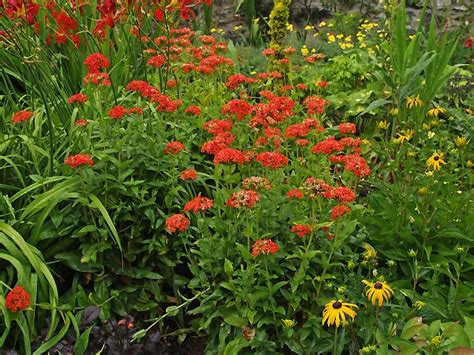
[435, 161]
[378, 292]
[414, 101]
[335, 313]
[461, 141]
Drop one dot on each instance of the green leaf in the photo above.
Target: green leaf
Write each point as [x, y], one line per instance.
[82, 342]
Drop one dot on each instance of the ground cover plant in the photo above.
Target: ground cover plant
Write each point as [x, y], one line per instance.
[166, 190]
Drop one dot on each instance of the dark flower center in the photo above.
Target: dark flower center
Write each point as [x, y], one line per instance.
[337, 305]
[435, 158]
[378, 285]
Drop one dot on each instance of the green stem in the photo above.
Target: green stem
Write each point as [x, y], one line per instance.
[334, 345]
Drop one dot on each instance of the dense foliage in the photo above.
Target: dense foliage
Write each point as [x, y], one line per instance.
[163, 186]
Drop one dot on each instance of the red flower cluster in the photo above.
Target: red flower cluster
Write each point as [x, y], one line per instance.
[81, 122]
[345, 128]
[243, 198]
[18, 299]
[315, 105]
[173, 148]
[273, 160]
[301, 230]
[256, 183]
[188, 174]
[229, 155]
[80, 98]
[327, 146]
[278, 109]
[317, 187]
[297, 130]
[21, 116]
[238, 108]
[353, 162]
[339, 210]
[157, 61]
[344, 194]
[77, 160]
[177, 222]
[95, 62]
[265, 247]
[295, 193]
[235, 80]
[215, 127]
[194, 110]
[198, 204]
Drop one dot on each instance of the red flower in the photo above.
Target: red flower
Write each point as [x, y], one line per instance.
[344, 194]
[272, 159]
[157, 61]
[322, 84]
[21, 116]
[345, 128]
[239, 108]
[315, 105]
[195, 110]
[177, 222]
[295, 193]
[301, 230]
[317, 187]
[117, 112]
[297, 130]
[243, 198]
[328, 146]
[354, 163]
[173, 148]
[229, 155]
[468, 43]
[339, 210]
[17, 299]
[217, 126]
[188, 174]
[77, 160]
[95, 62]
[302, 142]
[256, 183]
[81, 122]
[265, 247]
[198, 204]
[81, 98]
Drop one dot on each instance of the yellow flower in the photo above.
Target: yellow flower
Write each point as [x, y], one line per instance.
[383, 124]
[436, 341]
[469, 164]
[378, 291]
[418, 305]
[470, 111]
[304, 50]
[369, 253]
[434, 112]
[331, 38]
[213, 30]
[322, 24]
[435, 161]
[236, 28]
[339, 36]
[394, 111]
[256, 20]
[335, 313]
[422, 190]
[289, 27]
[414, 101]
[289, 323]
[460, 141]
[426, 126]
[308, 28]
[404, 136]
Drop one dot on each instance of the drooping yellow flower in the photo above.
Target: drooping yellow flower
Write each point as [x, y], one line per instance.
[335, 313]
[383, 124]
[435, 111]
[369, 253]
[414, 101]
[435, 161]
[404, 136]
[378, 292]
[461, 141]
